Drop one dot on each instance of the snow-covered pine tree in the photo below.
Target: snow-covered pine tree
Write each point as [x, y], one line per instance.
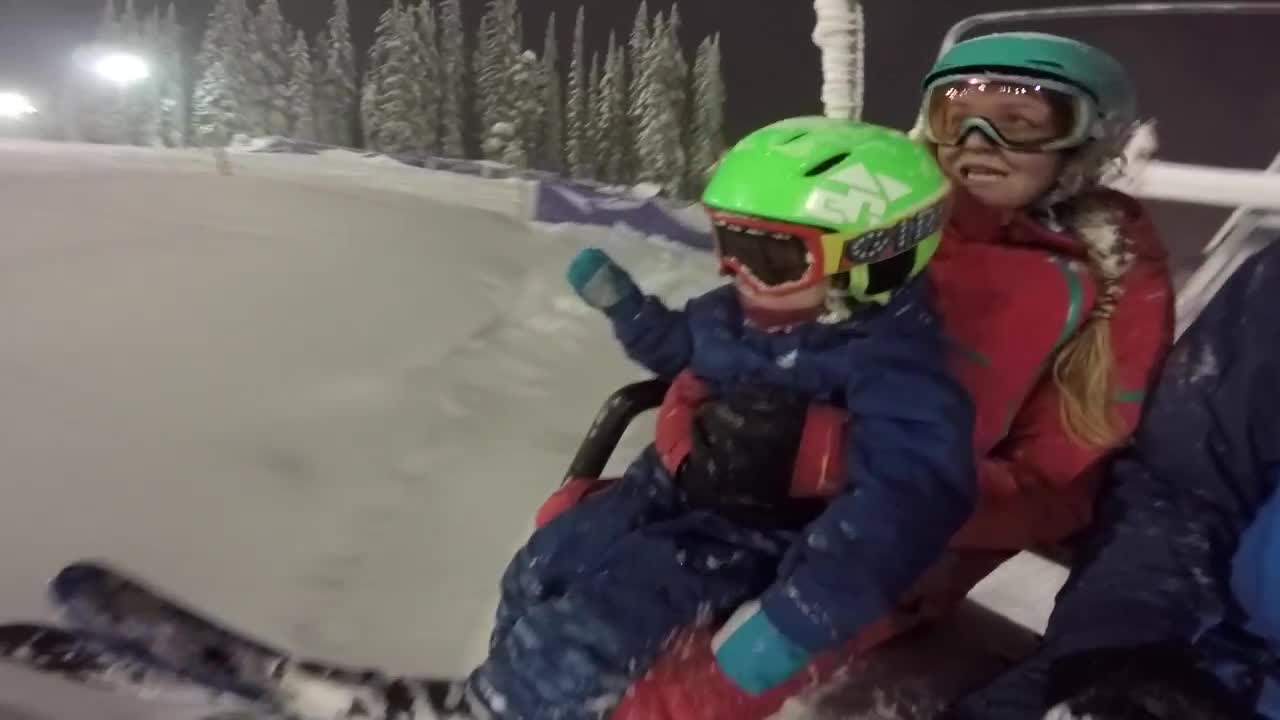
[637, 78]
[110, 30]
[143, 98]
[98, 110]
[379, 69]
[301, 92]
[594, 136]
[217, 106]
[610, 116]
[453, 61]
[661, 141]
[526, 104]
[497, 58]
[577, 151]
[340, 78]
[707, 134]
[621, 141]
[552, 133]
[270, 70]
[172, 128]
[679, 82]
[398, 107]
[319, 72]
[427, 77]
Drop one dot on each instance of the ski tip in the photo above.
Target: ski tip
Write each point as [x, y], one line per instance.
[74, 578]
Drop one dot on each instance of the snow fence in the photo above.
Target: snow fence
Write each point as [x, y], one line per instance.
[529, 195]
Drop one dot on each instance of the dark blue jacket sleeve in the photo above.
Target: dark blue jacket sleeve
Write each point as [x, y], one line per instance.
[653, 335]
[1156, 564]
[912, 486]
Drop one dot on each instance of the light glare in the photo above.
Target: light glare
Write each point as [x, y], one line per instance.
[15, 105]
[122, 69]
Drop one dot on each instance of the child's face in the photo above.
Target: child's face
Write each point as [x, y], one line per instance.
[999, 177]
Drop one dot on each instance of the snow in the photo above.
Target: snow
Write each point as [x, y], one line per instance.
[324, 411]
[309, 396]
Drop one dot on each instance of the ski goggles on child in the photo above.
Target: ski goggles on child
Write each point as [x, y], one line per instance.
[776, 258]
[1017, 113]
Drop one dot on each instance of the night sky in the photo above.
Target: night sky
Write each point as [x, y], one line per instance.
[1210, 81]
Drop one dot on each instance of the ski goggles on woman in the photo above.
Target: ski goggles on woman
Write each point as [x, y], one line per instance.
[1017, 113]
[776, 258]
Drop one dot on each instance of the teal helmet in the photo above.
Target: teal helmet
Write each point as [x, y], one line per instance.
[1090, 94]
[1051, 57]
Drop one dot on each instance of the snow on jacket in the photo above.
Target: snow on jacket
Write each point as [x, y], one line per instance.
[911, 452]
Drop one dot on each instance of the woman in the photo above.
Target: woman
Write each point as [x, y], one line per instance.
[1055, 294]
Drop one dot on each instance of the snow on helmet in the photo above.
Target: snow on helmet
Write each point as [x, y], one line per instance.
[811, 198]
[1089, 89]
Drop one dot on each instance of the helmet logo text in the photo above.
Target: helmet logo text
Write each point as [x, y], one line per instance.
[862, 191]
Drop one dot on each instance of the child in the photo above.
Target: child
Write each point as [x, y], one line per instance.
[823, 226]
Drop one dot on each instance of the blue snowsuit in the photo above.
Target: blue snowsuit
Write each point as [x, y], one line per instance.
[587, 605]
[1186, 544]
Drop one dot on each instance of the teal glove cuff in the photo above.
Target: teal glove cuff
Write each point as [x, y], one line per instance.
[754, 654]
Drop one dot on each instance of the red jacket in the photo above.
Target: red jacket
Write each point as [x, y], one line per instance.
[1010, 295]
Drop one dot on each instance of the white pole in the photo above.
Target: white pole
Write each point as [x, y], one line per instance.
[839, 34]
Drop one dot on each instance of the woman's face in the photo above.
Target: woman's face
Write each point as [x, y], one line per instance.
[998, 177]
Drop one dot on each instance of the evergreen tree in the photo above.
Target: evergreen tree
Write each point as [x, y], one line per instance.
[398, 105]
[172, 129]
[708, 114]
[380, 68]
[426, 72]
[142, 99]
[576, 147]
[339, 89]
[270, 70]
[661, 140]
[319, 73]
[594, 134]
[497, 58]
[300, 97]
[552, 157]
[526, 105]
[609, 118]
[637, 80]
[219, 104]
[453, 60]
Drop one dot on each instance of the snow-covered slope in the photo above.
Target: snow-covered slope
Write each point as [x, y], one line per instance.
[324, 411]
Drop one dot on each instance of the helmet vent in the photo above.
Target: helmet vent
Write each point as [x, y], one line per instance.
[826, 165]
[794, 138]
[1048, 63]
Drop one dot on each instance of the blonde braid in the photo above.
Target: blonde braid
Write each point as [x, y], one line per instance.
[1084, 368]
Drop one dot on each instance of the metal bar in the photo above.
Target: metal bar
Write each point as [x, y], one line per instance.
[1068, 12]
[1238, 213]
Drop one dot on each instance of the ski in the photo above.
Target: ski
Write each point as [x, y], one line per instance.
[109, 603]
[99, 662]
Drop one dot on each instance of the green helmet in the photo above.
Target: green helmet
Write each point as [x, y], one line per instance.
[1053, 57]
[864, 200]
